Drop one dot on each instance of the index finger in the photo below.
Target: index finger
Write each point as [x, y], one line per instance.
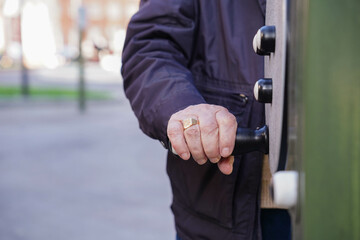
[176, 136]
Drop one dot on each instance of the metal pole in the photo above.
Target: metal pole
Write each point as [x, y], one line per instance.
[82, 101]
[82, 92]
[25, 89]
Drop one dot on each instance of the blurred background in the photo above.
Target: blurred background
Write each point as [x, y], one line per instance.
[73, 162]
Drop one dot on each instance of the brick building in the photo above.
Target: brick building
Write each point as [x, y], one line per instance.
[50, 28]
[106, 22]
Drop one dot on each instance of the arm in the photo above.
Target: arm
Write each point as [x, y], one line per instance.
[156, 54]
[160, 87]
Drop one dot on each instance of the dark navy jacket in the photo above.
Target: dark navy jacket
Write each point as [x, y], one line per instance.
[184, 52]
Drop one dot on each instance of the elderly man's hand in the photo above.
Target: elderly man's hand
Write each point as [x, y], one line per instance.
[212, 138]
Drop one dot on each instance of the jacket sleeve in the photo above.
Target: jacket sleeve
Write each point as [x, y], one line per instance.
[156, 56]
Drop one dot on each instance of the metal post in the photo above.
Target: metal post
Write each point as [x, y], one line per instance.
[82, 92]
[25, 89]
[82, 102]
[17, 17]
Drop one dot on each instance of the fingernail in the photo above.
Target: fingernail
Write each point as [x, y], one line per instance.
[215, 160]
[202, 161]
[185, 156]
[232, 160]
[225, 152]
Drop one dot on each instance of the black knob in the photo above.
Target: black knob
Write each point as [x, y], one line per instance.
[263, 90]
[247, 140]
[264, 40]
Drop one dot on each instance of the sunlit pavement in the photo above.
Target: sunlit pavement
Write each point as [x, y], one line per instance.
[66, 175]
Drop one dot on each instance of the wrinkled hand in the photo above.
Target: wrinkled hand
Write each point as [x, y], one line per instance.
[212, 138]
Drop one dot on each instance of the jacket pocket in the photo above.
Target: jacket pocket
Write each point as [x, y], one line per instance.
[237, 102]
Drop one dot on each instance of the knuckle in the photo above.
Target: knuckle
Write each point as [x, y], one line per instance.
[211, 129]
[174, 116]
[221, 108]
[190, 109]
[228, 119]
[172, 131]
[192, 132]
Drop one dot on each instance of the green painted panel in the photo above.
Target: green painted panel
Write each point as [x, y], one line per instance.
[330, 96]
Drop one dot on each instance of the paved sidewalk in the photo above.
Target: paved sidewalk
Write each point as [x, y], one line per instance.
[71, 176]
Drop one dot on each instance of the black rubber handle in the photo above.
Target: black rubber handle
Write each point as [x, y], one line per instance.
[248, 140]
